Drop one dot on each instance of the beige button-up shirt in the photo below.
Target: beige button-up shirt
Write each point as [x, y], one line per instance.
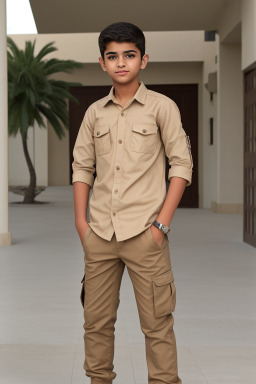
[127, 145]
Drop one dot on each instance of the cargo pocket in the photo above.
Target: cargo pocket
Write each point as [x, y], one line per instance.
[82, 291]
[164, 292]
[144, 138]
[102, 140]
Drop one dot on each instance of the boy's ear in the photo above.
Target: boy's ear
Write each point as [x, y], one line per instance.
[144, 61]
[102, 64]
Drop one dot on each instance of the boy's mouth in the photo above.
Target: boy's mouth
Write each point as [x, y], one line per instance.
[121, 72]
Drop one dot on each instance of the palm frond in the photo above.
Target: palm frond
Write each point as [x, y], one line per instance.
[14, 50]
[55, 65]
[48, 48]
[48, 113]
[33, 93]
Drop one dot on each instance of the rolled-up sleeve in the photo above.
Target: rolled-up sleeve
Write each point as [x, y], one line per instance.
[176, 142]
[84, 151]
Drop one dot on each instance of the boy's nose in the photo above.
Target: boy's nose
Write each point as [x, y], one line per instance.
[120, 62]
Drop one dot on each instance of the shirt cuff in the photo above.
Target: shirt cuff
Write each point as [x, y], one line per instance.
[83, 177]
[181, 171]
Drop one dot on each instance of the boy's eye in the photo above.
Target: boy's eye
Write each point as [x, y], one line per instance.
[129, 56]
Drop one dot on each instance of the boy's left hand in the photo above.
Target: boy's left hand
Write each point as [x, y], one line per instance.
[157, 234]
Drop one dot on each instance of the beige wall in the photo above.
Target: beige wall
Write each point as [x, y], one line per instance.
[229, 22]
[237, 24]
[58, 158]
[221, 165]
[38, 151]
[161, 46]
[230, 126]
[248, 14]
[17, 168]
[208, 165]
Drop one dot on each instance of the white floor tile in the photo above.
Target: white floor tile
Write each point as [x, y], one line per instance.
[41, 327]
[227, 365]
[36, 364]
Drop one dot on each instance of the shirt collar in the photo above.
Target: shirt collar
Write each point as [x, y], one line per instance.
[140, 95]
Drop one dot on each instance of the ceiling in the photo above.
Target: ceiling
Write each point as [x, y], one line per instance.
[79, 16]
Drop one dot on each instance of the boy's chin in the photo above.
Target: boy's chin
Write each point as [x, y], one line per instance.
[124, 80]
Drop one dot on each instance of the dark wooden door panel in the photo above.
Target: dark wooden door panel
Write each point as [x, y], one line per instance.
[185, 96]
[249, 232]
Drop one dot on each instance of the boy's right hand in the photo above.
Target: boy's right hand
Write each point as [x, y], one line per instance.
[82, 229]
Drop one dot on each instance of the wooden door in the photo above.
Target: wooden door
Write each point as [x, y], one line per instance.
[86, 96]
[249, 213]
[185, 96]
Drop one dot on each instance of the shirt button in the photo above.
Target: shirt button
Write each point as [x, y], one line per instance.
[120, 141]
[122, 114]
[98, 132]
[117, 167]
[144, 130]
[116, 190]
[114, 213]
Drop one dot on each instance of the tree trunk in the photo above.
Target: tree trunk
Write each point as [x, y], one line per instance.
[30, 193]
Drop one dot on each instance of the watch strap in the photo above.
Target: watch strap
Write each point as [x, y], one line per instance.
[161, 226]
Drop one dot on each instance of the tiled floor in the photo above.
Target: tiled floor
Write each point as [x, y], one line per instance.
[41, 334]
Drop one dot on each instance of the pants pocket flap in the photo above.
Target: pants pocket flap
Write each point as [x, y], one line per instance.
[164, 292]
[163, 279]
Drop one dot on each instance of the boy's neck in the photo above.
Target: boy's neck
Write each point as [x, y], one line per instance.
[124, 92]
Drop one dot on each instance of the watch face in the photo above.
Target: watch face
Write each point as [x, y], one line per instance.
[165, 229]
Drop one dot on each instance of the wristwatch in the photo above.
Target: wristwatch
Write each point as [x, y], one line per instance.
[162, 227]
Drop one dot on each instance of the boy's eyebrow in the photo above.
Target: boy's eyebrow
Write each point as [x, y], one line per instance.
[114, 53]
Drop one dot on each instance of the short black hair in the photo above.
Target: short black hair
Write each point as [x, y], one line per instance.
[122, 31]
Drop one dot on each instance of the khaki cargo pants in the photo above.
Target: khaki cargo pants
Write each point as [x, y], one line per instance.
[150, 270]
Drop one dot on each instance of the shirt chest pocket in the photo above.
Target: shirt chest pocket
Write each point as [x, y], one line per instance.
[102, 140]
[144, 138]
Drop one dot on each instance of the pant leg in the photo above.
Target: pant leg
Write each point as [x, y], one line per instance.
[100, 299]
[150, 270]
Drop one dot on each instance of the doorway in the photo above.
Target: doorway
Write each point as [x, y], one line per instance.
[184, 95]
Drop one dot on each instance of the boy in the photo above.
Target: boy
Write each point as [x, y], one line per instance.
[127, 135]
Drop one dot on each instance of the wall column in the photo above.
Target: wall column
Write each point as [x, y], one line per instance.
[5, 235]
[229, 130]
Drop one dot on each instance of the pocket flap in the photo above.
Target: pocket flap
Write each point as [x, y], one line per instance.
[100, 131]
[163, 279]
[145, 129]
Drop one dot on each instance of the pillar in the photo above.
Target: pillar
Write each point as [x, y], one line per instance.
[5, 235]
[229, 130]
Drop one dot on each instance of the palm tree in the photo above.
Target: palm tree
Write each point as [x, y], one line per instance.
[34, 94]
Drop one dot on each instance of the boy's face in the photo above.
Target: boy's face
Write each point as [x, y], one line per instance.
[122, 61]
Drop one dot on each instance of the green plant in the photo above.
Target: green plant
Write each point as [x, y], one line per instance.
[34, 93]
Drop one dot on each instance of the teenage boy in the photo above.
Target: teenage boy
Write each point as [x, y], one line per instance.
[125, 137]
